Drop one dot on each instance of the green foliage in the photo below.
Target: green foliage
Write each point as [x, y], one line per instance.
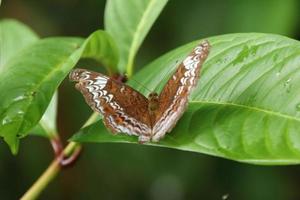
[14, 37]
[47, 125]
[245, 107]
[32, 76]
[129, 22]
[101, 47]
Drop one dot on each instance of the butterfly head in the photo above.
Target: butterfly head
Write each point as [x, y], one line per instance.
[121, 78]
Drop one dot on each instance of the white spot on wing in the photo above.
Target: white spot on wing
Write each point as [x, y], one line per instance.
[122, 89]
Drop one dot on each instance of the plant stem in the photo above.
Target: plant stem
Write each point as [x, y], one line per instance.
[54, 167]
[43, 181]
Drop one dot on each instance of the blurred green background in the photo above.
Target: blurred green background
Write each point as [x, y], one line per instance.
[124, 171]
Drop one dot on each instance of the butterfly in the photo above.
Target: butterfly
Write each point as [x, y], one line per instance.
[125, 110]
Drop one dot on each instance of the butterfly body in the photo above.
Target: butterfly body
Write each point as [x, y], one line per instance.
[125, 110]
[153, 99]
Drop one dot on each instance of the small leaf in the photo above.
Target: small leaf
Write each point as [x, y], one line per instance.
[101, 47]
[128, 22]
[14, 36]
[246, 106]
[47, 125]
[48, 121]
[30, 78]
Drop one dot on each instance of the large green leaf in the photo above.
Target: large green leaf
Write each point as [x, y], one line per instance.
[129, 22]
[14, 37]
[29, 79]
[246, 106]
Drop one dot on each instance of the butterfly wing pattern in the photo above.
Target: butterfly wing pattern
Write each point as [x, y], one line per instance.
[125, 110]
[174, 97]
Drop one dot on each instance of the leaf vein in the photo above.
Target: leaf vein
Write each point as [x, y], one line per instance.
[256, 109]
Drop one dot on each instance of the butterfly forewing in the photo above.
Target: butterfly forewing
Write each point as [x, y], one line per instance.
[123, 108]
[173, 98]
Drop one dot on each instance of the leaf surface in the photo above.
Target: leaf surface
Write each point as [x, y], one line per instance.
[30, 78]
[14, 36]
[246, 106]
[47, 125]
[128, 22]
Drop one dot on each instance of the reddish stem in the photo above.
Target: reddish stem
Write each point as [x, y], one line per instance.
[70, 160]
[57, 146]
[64, 161]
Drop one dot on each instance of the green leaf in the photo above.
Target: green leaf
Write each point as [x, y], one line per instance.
[47, 125]
[101, 47]
[246, 106]
[48, 121]
[128, 22]
[14, 36]
[29, 80]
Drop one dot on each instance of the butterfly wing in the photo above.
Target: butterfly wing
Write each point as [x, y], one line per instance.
[124, 109]
[174, 97]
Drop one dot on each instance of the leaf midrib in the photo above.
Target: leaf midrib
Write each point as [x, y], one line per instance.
[253, 108]
[139, 27]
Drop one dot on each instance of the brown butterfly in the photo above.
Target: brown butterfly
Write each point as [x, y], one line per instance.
[125, 110]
